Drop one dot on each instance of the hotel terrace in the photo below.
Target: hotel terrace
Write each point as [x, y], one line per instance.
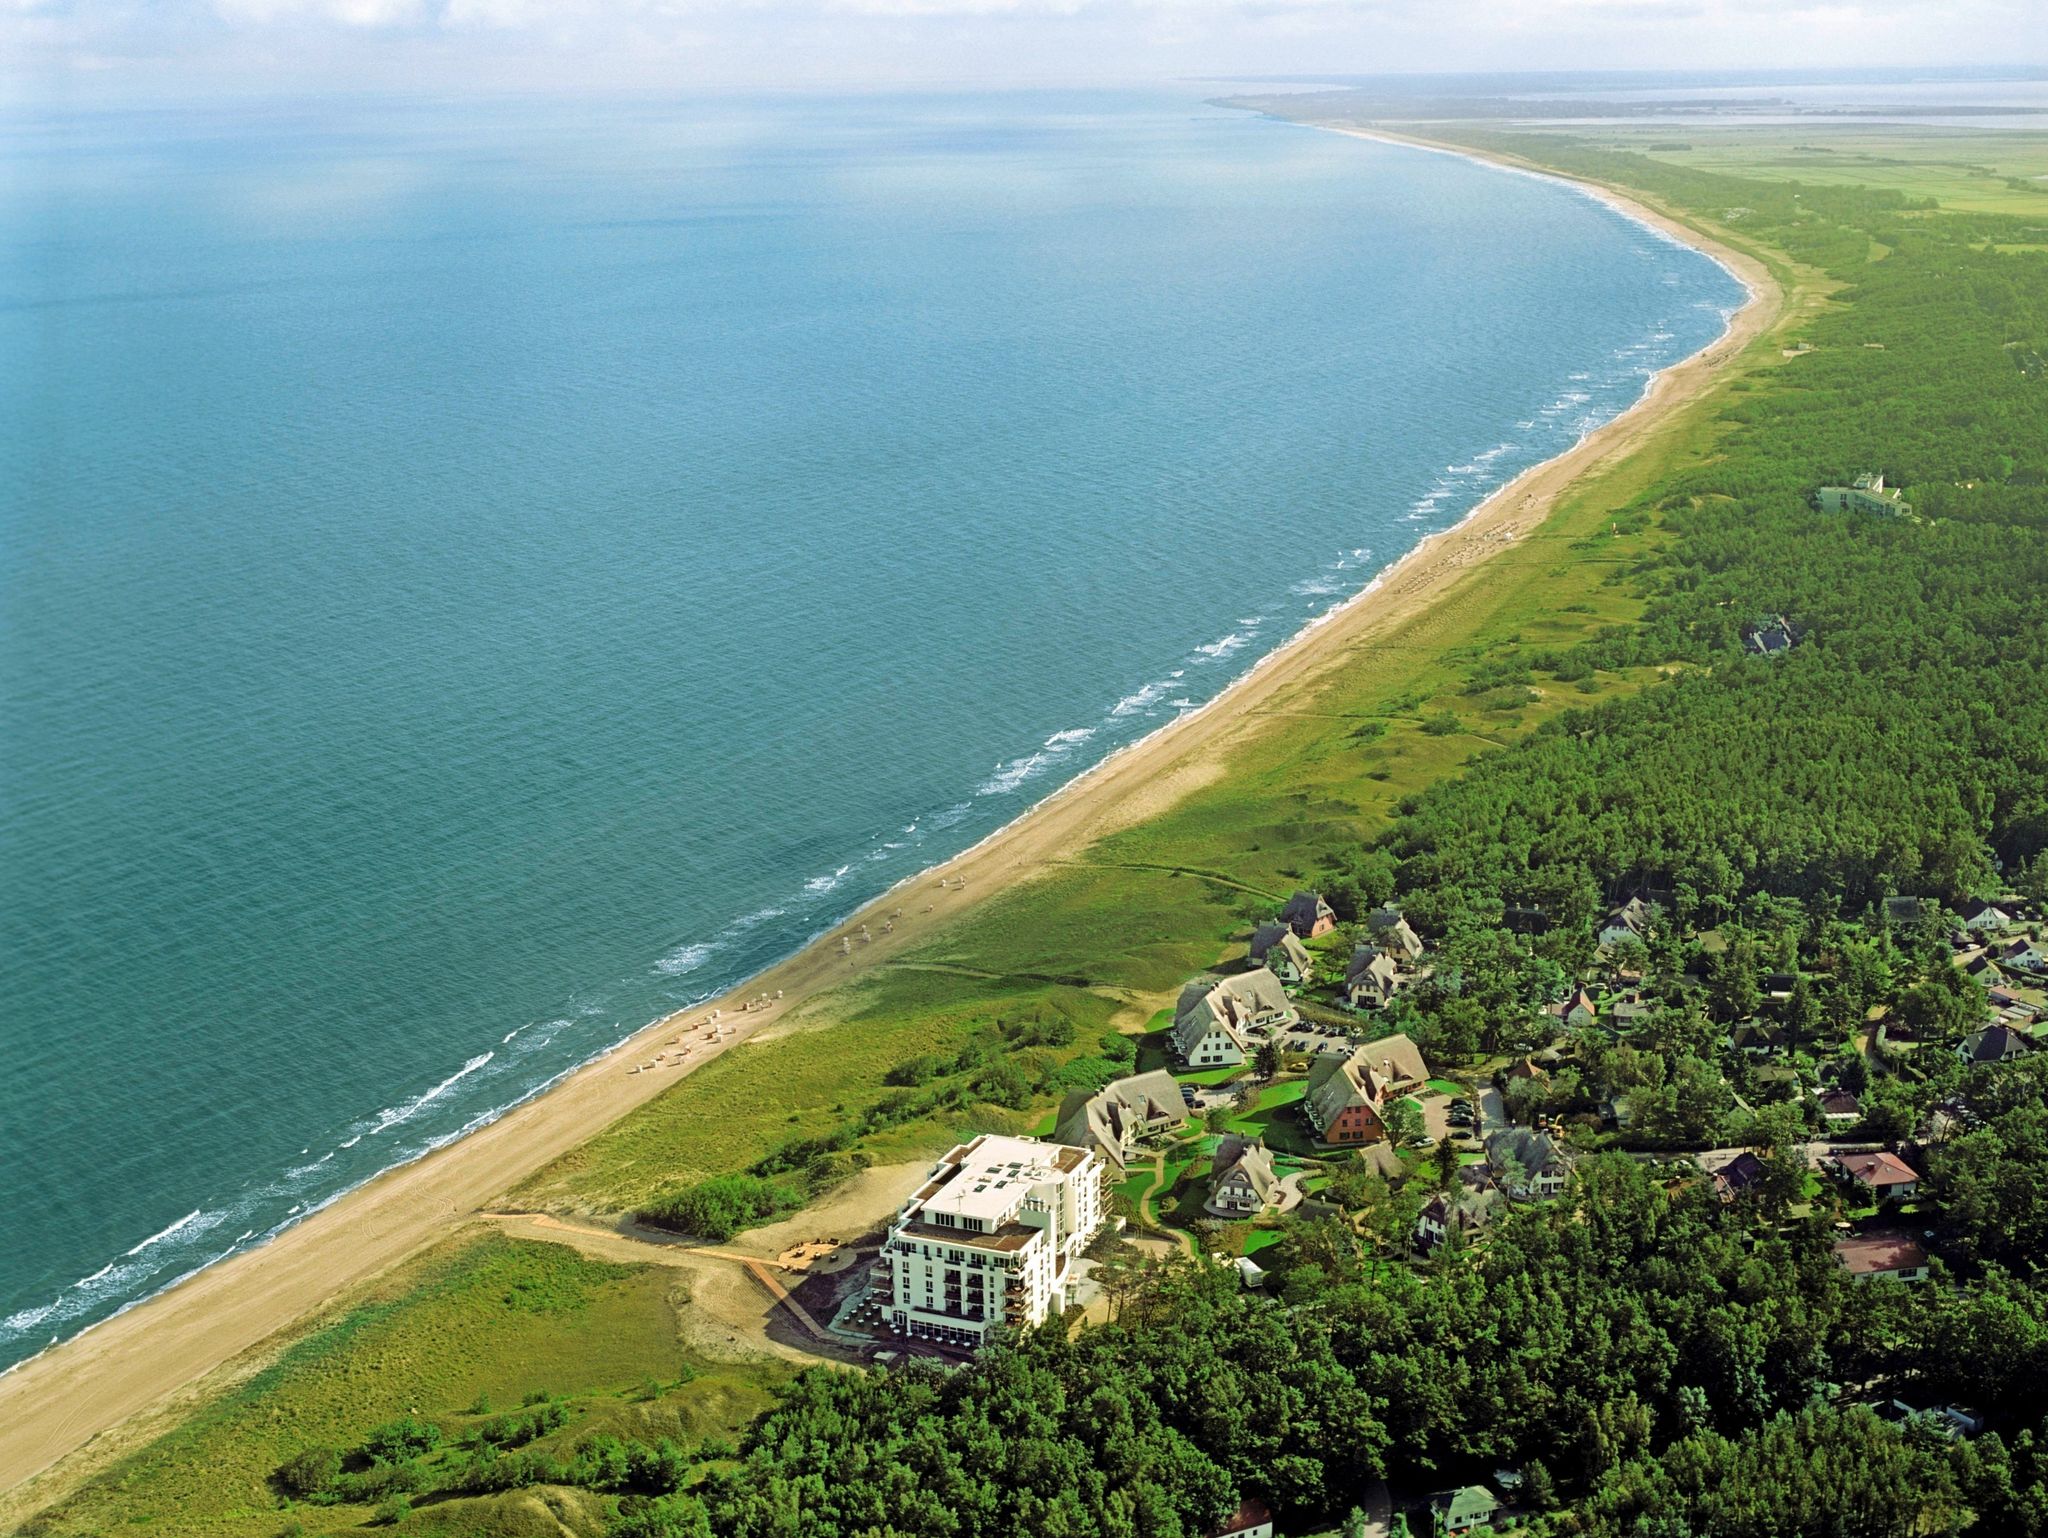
[991, 1239]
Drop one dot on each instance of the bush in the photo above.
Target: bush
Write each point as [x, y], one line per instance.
[720, 1207]
[1443, 724]
[912, 1072]
[1119, 1048]
[1006, 1085]
[1056, 1032]
[393, 1509]
[400, 1440]
[309, 1473]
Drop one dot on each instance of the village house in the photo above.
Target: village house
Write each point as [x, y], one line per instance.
[1391, 931]
[1464, 1211]
[1529, 1166]
[1308, 915]
[1877, 1255]
[1631, 921]
[1738, 1177]
[1839, 1108]
[1252, 1519]
[1346, 1098]
[1279, 950]
[1577, 1008]
[1866, 494]
[990, 1240]
[1756, 1038]
[1883, 1175]
[1769, 638]
[1217, 1020]
[1114, 1120]
[1460, 1511]
[1983, 969]
[1995, 1044]
[2023, 955]
[1242, 1180]
[1372, 979]
[1629, 1011]
[1980, 917]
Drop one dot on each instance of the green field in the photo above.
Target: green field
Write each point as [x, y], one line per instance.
[1963, 169]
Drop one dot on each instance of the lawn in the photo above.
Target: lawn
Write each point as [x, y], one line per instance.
[1273, 1118]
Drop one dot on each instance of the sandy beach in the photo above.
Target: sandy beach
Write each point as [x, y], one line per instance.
[94, 1395]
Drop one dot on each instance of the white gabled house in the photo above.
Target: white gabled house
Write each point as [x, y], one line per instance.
[1217, 1021]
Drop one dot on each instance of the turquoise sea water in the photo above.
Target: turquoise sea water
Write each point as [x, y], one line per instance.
[473, 579]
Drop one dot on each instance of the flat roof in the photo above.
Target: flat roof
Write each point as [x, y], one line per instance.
[1006, 1240]
[994, 1175]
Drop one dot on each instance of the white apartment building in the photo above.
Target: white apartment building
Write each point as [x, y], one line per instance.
[991, 1238]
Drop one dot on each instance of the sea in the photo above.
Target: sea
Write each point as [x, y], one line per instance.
[478, 576]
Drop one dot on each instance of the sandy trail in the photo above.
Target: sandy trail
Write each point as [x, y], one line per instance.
[150, 1360]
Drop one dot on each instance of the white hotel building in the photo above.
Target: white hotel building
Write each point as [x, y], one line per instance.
[992, 1238]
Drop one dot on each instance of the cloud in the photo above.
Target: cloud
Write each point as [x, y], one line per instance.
[270, 45]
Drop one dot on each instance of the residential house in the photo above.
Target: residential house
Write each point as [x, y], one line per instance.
[990, 1240]
[1526, 1068]
[1216, 1021]
[1372, 979]
[2023, 955]
[1950, 1422]
[1631, 921]
[1578, 1008]
[1630, 1011]
[1980, 917]
[1883, 1175]
[1770, 637]
[1738, 1177]
[1839, 1108]
[1465, 1211]
[1242, 1181]
[1529, 1166]
[1346, 1098]
[1983, 969]
[1757, 1038]
[1252, 1519]
[1460, 1511]
[1308, 915]
[1866, 494]
[1279, 949]
[1995, 1044]
[1897, 1256]
[1117, 1118]
[1391, 931]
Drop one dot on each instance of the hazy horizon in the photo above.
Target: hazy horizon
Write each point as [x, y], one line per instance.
[88, 51]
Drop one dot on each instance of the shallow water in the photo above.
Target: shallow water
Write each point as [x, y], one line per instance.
[475, 579]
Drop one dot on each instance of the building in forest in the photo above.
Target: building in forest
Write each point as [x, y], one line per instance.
[992, 1238]
[1866, 494]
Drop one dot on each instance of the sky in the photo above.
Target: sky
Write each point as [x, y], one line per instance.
[83, 51]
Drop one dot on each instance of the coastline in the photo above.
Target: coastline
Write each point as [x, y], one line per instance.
[143, 1358]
